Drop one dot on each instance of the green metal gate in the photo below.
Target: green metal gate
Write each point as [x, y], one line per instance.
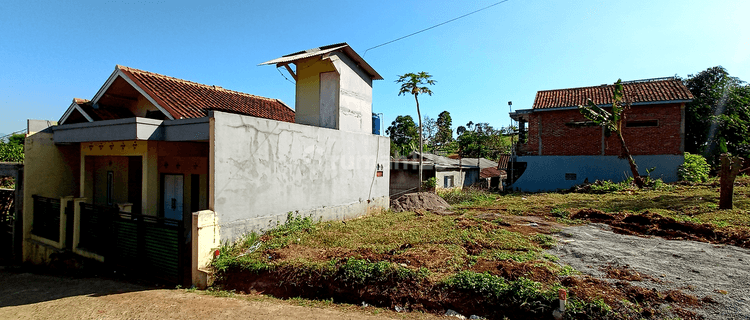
[150, 246]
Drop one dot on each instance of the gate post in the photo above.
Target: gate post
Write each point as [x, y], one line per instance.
[17, 241]
[205, 240]
[64, 221]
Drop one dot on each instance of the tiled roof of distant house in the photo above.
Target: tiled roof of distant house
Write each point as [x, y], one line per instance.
[186, 99]
[636, 92]
[491, 172]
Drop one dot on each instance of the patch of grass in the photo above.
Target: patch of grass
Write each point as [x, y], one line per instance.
[544, 240]
[359, 271]
[518, 256]
[467, 196]
[492, 286]
[370, 249]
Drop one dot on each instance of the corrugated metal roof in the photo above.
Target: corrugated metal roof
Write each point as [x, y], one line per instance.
[290, 58]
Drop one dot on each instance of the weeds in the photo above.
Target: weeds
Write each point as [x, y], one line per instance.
[466, 196]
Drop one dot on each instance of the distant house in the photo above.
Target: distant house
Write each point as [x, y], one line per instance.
[448, 173]
[154, 171]
[559, 148]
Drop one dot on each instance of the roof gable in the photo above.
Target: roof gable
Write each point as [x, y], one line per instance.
[157, 96]
[660, 90]
[187, 99]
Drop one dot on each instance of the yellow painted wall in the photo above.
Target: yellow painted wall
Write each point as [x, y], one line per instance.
[49, 171]
[307, 104]
[96, 158]
[119, 167]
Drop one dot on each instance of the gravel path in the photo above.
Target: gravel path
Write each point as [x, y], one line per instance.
[700, 269]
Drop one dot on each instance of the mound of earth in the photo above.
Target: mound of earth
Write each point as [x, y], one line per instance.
[421, 201]
[649, 223]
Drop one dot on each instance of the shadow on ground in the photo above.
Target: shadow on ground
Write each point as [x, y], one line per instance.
[20, 287]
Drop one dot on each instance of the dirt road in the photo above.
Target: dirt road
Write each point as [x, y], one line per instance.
[33, 296]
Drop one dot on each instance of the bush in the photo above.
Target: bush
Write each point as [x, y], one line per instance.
[694, 169]
[429, 184]
[465, 196]
[11, 152]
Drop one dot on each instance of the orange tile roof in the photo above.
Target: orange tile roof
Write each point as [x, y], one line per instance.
[186, 99]
[658, 90]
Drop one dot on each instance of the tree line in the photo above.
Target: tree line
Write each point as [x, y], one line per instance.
[473, 140]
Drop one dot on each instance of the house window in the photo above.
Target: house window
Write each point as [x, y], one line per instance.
[580, 124]
[641, 123]
[448, 182]
[110, 187]
[570, 176]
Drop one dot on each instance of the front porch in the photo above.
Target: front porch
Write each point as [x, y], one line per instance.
[127, 203]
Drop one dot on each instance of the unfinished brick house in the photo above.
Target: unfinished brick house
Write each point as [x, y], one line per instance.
[559, 148]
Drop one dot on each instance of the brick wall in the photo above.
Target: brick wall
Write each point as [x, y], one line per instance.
[562, 134]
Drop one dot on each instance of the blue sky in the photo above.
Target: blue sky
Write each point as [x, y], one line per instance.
[53, 51]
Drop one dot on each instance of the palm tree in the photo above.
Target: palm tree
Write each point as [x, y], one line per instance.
[613, 122]
[416, 83]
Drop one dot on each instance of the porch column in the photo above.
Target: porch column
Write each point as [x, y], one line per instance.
[150, 181]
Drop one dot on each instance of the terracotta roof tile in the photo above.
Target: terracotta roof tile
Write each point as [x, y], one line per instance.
[658, 90]
[491, 172]
[187, 99]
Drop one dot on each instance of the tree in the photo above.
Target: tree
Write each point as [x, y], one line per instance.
[613, 122]
[718, 118]
[444, 133]
[430, 130]
[414, 84]
[481, 140]
[12, 151]
[730, 167]
[404, 135]
[16, 139]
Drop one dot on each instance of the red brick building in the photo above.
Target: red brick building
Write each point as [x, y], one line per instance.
[654, 126]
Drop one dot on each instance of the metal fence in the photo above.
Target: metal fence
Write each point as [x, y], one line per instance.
[149, 246]
[46, 222]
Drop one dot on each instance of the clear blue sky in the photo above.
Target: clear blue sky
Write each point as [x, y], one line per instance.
[53, 51]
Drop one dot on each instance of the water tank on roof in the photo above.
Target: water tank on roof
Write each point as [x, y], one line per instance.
[375, 124]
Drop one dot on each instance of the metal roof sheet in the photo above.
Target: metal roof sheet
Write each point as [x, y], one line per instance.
[290, 58]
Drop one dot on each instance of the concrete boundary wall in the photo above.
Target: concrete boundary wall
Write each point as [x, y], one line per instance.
[548, 173]
[264, 169]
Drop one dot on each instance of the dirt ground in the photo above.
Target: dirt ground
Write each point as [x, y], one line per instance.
[706, 271]
[34, 296]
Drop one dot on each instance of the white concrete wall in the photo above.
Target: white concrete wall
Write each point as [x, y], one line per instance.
[355, 95]
[264, 169]
[547, 173]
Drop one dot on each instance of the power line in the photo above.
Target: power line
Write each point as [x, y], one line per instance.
[435, 26]
[282, 74]
[10, 134]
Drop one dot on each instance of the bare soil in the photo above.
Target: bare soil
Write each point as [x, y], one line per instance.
[652, 224]
[421, 201]
[35, 296]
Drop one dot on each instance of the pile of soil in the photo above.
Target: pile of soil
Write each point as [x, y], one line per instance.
[650, 223]
[421, 201]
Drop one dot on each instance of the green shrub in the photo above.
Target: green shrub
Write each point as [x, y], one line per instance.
[694, 169]
[497, 288]
[11, 152]
[604, 186]
[360, 271]
[429, 184]
[465, 196]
